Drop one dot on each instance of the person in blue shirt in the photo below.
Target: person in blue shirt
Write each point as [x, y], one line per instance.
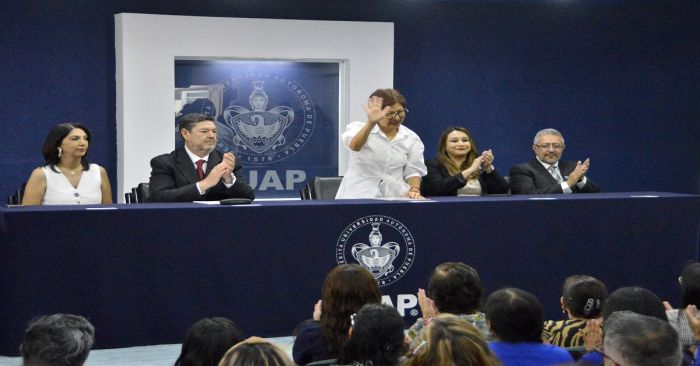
[515, 318]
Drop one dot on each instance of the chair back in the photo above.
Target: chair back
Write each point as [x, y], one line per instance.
[325, 188]
[15, 198]
[143, 193]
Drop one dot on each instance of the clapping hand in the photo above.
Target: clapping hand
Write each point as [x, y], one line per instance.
[592, 334]
[427, 306]
[318, 310]
[487, 161]
[579, 172]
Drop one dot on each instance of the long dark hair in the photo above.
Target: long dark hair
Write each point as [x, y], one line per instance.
[207, 341]
[53, 142]
[346, 288]
[445, 159]
[377, 337]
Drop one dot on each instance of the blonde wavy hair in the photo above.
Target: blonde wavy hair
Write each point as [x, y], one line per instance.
[450, 340]
[255, 351]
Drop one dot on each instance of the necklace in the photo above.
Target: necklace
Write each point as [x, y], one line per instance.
[66, 170]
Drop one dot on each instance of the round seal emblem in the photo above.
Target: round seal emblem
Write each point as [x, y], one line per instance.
[381, 244]
[268, 117]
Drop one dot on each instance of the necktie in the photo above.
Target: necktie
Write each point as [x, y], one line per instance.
[200, 170]
[554, 171]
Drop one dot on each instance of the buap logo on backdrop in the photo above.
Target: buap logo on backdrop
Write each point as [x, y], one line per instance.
[386, 248]
[279, 118]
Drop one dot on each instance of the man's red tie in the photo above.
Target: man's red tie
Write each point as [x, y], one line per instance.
[200, 171]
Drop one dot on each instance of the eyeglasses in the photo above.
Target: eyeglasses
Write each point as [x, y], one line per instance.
[600, 350]
[548, 146]
[401, 114]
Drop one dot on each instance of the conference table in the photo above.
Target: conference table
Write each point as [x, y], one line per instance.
[143, 273]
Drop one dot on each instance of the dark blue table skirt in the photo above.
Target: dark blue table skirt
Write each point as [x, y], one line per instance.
[144, 273]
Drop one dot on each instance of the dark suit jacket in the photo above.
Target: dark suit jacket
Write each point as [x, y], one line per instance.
[173, 178]
[532, 177]
[439, 182]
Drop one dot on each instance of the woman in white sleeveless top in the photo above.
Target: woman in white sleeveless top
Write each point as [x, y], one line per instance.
[67, 178]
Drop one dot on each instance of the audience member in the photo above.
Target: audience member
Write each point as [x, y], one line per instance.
[376, 337]
[690, 290]
[67, 178]
[459, 169]
[633, 339]
[197, 171]
[57, 340]
[515, 317]
[582, 298]
[451, 340]
[386, 158]
[255, 351]
[546, 173]
[345, 290]
[207, 341]
[636, 299]
[454, 288]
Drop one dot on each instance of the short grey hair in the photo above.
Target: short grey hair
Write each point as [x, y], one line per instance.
[547, 131]
[642, 340]
[57, 340]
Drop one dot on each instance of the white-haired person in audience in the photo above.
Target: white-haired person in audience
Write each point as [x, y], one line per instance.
[207, 340]
[255, 351]
[376, 337]
[57, 340]
[451, 340]
[633, 339]
[582, 298]
[515, 317]
[345, 290]
[453, 288]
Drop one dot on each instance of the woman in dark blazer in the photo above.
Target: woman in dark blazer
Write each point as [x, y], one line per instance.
[459, 169]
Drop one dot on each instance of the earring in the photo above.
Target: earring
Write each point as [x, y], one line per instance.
[59, 152]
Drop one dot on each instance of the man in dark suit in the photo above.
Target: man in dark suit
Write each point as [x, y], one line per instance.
[197, 171]
[546, 173]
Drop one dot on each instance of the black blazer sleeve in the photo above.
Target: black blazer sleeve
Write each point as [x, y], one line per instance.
[438, 182]
[240, 189]
[173, 179]
[567, 167]
[167, 184]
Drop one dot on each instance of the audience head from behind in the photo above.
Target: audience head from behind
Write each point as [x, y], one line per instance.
[376, 337]
[515, 316]
[57, 340]
[207, 340]
[690, 284]
[255, 351]
[455, 288]
[583, 297]
[451, 340]
[345, 290]
[633, 339]
[635, 299]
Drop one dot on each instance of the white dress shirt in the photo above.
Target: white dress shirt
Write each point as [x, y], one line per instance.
[381, 167]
